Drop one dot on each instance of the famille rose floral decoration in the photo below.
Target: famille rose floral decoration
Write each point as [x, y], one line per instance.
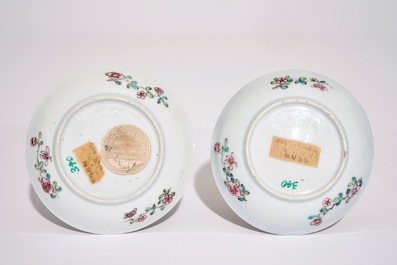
[163, 200]
[43, 158]
[229, 164]
[284, 81]
[329, 204]
[142, 92]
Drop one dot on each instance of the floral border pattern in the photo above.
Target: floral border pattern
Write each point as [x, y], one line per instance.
[284, 81]
[328, 204]
[43, 158]
[235, 187]
[142, 92]
[163, 200]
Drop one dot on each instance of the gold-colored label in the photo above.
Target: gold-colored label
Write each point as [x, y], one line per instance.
[125, 150]
[294, 151]
[88, 157]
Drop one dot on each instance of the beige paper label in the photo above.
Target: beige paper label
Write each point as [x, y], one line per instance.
[88, 157]
[294, 151]
[125, 150]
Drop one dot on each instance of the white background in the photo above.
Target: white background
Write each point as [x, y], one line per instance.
[203, 51]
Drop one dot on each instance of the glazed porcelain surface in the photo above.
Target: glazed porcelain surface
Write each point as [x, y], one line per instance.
[110, 151]
[292, 152]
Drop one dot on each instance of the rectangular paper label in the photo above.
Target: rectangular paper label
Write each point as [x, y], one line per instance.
[294, 151]
[88, 157]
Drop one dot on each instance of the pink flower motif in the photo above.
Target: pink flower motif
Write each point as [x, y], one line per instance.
[45, 155]
[281, 80]
[130, 214]
[158, 90]
[167, 199]
[46, 185]
[115, 76]
[327, 202]
[353, 191]
[217, 148]
[33, 141]
[230, 161]
[320, 86]
[233, 189]
[141, 94]
[141, 218]
[316, 222]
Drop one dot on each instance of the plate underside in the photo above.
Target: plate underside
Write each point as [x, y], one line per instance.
[296, 149]
[108, 149]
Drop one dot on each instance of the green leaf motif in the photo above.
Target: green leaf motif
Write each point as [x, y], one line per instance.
[353, 185]
[284, 81]
[143, 92]
[228, 166]
[164, 199]
[43, 154]
[237, 182]
[324, 210]
[301, 80]
[348, 191]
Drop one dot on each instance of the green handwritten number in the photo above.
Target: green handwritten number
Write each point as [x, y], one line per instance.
[289, 184]
[294, 185]
[72, 165]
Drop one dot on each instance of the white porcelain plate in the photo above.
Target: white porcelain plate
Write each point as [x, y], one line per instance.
[110, 151]
[292, 152]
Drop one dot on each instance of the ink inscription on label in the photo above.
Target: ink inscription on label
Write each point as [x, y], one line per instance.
[295, 151]
[88, 157]
[125, 150]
